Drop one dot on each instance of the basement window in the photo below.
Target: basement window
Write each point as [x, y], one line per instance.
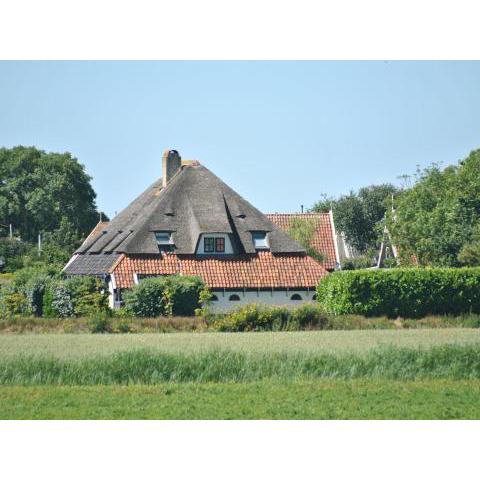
[164, 241]
[296, 297]
[234, 298]
[260, 240]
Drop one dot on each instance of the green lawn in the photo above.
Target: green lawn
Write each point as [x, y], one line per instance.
[322, 399]
[353, 341]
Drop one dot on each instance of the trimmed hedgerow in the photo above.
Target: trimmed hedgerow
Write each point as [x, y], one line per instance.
[169, 295]
[402, 292]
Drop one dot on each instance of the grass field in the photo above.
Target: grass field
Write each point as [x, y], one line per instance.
[325, 399]
[428, 373]
[354, 341]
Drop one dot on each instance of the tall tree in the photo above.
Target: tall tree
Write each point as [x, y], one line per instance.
[437, 220]
[39, 190]
[360, 215]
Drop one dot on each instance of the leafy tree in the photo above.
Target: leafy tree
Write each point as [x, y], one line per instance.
[360, 215]
[58, 246]
[11, 252]
[39, 190]
[303, 231]
[436, 221]
[470, 254]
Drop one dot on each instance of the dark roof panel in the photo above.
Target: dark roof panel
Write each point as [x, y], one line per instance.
[91, 264]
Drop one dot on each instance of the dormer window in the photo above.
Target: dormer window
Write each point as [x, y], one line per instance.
[164, 241]
[260, 240]
[220, 245]
[214, 245]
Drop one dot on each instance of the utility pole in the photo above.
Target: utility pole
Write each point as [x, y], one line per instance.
[39, 244]
[11, 232]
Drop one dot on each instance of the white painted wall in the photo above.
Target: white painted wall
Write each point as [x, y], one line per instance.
[228, 243]
[277, 297]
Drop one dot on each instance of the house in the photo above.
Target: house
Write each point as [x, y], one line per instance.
[189, 222]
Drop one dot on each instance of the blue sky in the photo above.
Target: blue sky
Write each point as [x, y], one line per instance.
[279, 133]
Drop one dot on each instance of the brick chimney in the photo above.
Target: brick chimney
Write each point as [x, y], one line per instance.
[171, 163]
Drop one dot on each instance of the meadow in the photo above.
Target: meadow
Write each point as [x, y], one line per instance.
[421, 373]
[331, 341]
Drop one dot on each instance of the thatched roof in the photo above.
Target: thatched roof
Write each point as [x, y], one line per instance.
[194, 202]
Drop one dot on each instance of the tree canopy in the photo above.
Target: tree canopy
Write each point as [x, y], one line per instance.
[359, 215]
[40, 192]
[437, 220]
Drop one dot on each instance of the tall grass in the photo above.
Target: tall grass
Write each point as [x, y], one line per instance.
[18, 324]
[149, 367]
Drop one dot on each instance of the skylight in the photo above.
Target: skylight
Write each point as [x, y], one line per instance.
[164, 241]
[260, 240]
[163, 238]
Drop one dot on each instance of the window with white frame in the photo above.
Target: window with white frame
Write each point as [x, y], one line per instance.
[260, 240]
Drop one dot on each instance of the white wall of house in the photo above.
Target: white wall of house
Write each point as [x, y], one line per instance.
[277, 297]
[111, 294]
[225, 236]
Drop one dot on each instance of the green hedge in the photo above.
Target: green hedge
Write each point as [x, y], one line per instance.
[401, 292]
[169, 295]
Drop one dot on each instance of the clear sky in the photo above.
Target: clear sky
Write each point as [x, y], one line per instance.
[279, 133]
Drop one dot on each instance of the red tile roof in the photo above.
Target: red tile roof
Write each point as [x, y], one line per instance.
[260, 270]
[323, 241]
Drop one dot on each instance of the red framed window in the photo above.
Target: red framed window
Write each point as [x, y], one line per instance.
[219, 244]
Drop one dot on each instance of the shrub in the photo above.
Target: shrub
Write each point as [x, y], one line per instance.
[247, 318]
[169, 295]
[14, 303]
[77, 296]
[34, 291]
[309, 316]
[58, 301]
[255, 317]
[87, 294]
[404, 292]
[26, 290]
[99, 322]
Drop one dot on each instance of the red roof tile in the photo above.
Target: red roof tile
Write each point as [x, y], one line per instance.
[323, 241]
[260, 270]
